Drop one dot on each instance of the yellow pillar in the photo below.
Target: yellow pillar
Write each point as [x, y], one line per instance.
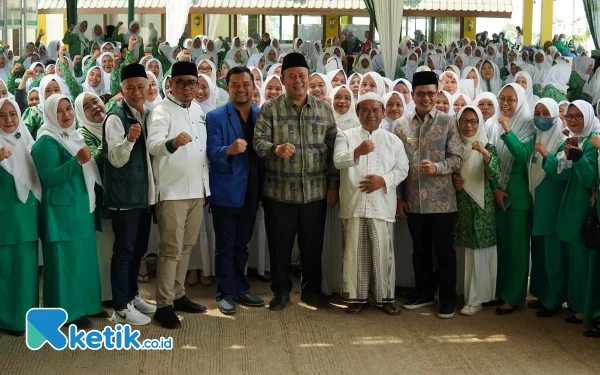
[528, 21]
[547, 21]
[41, 19]
[471, 34]
[330, 32]
[196, 30]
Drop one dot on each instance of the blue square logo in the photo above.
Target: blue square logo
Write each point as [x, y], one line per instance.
[43, 326]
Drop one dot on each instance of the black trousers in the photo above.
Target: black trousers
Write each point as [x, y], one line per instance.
[283, 221]
[132, 230]
[437, 230]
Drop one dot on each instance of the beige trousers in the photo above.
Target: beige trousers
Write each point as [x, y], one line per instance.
[179, 223]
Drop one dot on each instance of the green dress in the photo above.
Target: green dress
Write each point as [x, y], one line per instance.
[551, 92]
[513, 227]
[549, 255]
[475, 226]
[75, 46]
[71, 279]
[575, 90]
[18, 255]
[572, 214]
[33, 117]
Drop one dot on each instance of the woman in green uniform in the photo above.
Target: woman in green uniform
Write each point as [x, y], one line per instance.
[475, 231]
[19, 205]
[68, 174]
[583, 67]
[513, 137]
[549, 255]
[580, 162]
[33, 116]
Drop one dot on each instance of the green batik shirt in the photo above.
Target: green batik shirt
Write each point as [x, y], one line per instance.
[33, 119]
[74, 87]
[115, 75]
[309, 173]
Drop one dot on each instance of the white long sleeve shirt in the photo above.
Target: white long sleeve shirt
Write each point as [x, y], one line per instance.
[182, 174]
[119, 148]
[388, 160]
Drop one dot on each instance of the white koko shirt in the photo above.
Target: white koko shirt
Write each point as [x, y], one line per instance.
[388, 160]
[182, 174]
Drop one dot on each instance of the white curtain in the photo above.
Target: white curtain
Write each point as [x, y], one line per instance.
[213, 22]
[389, 22]
[177, 14]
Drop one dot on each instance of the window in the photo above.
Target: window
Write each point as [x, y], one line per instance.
[310, 28]
[412, 25]
[249, 26]
[280, 27]
[358, 26]
[447, 29]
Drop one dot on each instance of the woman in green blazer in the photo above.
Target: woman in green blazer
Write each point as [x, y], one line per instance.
[513, 136]
[19, 205]
[68, 175]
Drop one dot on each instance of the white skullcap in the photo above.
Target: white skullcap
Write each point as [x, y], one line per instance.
[369, 96]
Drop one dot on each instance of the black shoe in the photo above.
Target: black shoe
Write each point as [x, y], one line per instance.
[318, 300]
[494, 302]
[249, 299]
[227, 305]
[545, 313]
[12, 333]
[187, 305]
[279, 302]
[81, 323]
[446, 311]
[167, 318]
[108, 304]
[574, 320]
[418, 302]
[102, 315]
[535, 304]
[504, 311]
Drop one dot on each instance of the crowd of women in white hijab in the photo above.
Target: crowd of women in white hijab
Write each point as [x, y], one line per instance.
[528, 121]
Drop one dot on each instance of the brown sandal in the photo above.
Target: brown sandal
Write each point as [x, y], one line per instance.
[355, 308]
[390, 309]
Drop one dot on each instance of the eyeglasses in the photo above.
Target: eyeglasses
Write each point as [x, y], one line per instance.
[577, 117]
[472, 122]
[510, 101]
[422, 94]
[192, 84]
[203, 69]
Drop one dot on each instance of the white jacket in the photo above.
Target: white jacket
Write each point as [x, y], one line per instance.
[182, 174]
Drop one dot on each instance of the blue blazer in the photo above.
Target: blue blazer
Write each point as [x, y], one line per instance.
[228, 176]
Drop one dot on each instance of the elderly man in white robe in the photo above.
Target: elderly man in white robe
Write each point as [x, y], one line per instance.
[372, 162]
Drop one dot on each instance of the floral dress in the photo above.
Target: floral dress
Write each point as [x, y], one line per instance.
[476, 227]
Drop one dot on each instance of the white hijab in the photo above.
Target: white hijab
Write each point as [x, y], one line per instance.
[84, 41]
[160, 69]
[552, 138]
[358, 68]
[97, 38]
[20, 165]
[149, 105]
[521, 125]
[196, 52]
[473, 167]
[558, 77]
[495, 81]
[387, 123]
[93, 127]
[410, 106]
[580, 66]
[409, 70]
[349, 119]
[211, 102]
[98, 90]
[491, 122]
[378, 81]
[136, 50]
[531, 99]
[105, 76]
[72, 141]
[466, 72]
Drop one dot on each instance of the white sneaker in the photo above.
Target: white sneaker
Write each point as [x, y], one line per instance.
[143, 306]
[471, 310]
[131, 316]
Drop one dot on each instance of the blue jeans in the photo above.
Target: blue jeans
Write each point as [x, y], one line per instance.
[132, 230]
[232, 234]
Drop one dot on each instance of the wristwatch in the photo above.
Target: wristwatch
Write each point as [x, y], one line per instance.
[273, 148]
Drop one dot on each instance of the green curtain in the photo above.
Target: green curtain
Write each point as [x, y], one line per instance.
[371, 9]
[71, 12]
[592, 13]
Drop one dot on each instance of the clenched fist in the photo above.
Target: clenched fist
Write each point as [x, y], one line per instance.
[182, 139]
[366, 147]
[83, 155]
[134, 132]
[237, 147]
[5, 153]
[285, 151]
